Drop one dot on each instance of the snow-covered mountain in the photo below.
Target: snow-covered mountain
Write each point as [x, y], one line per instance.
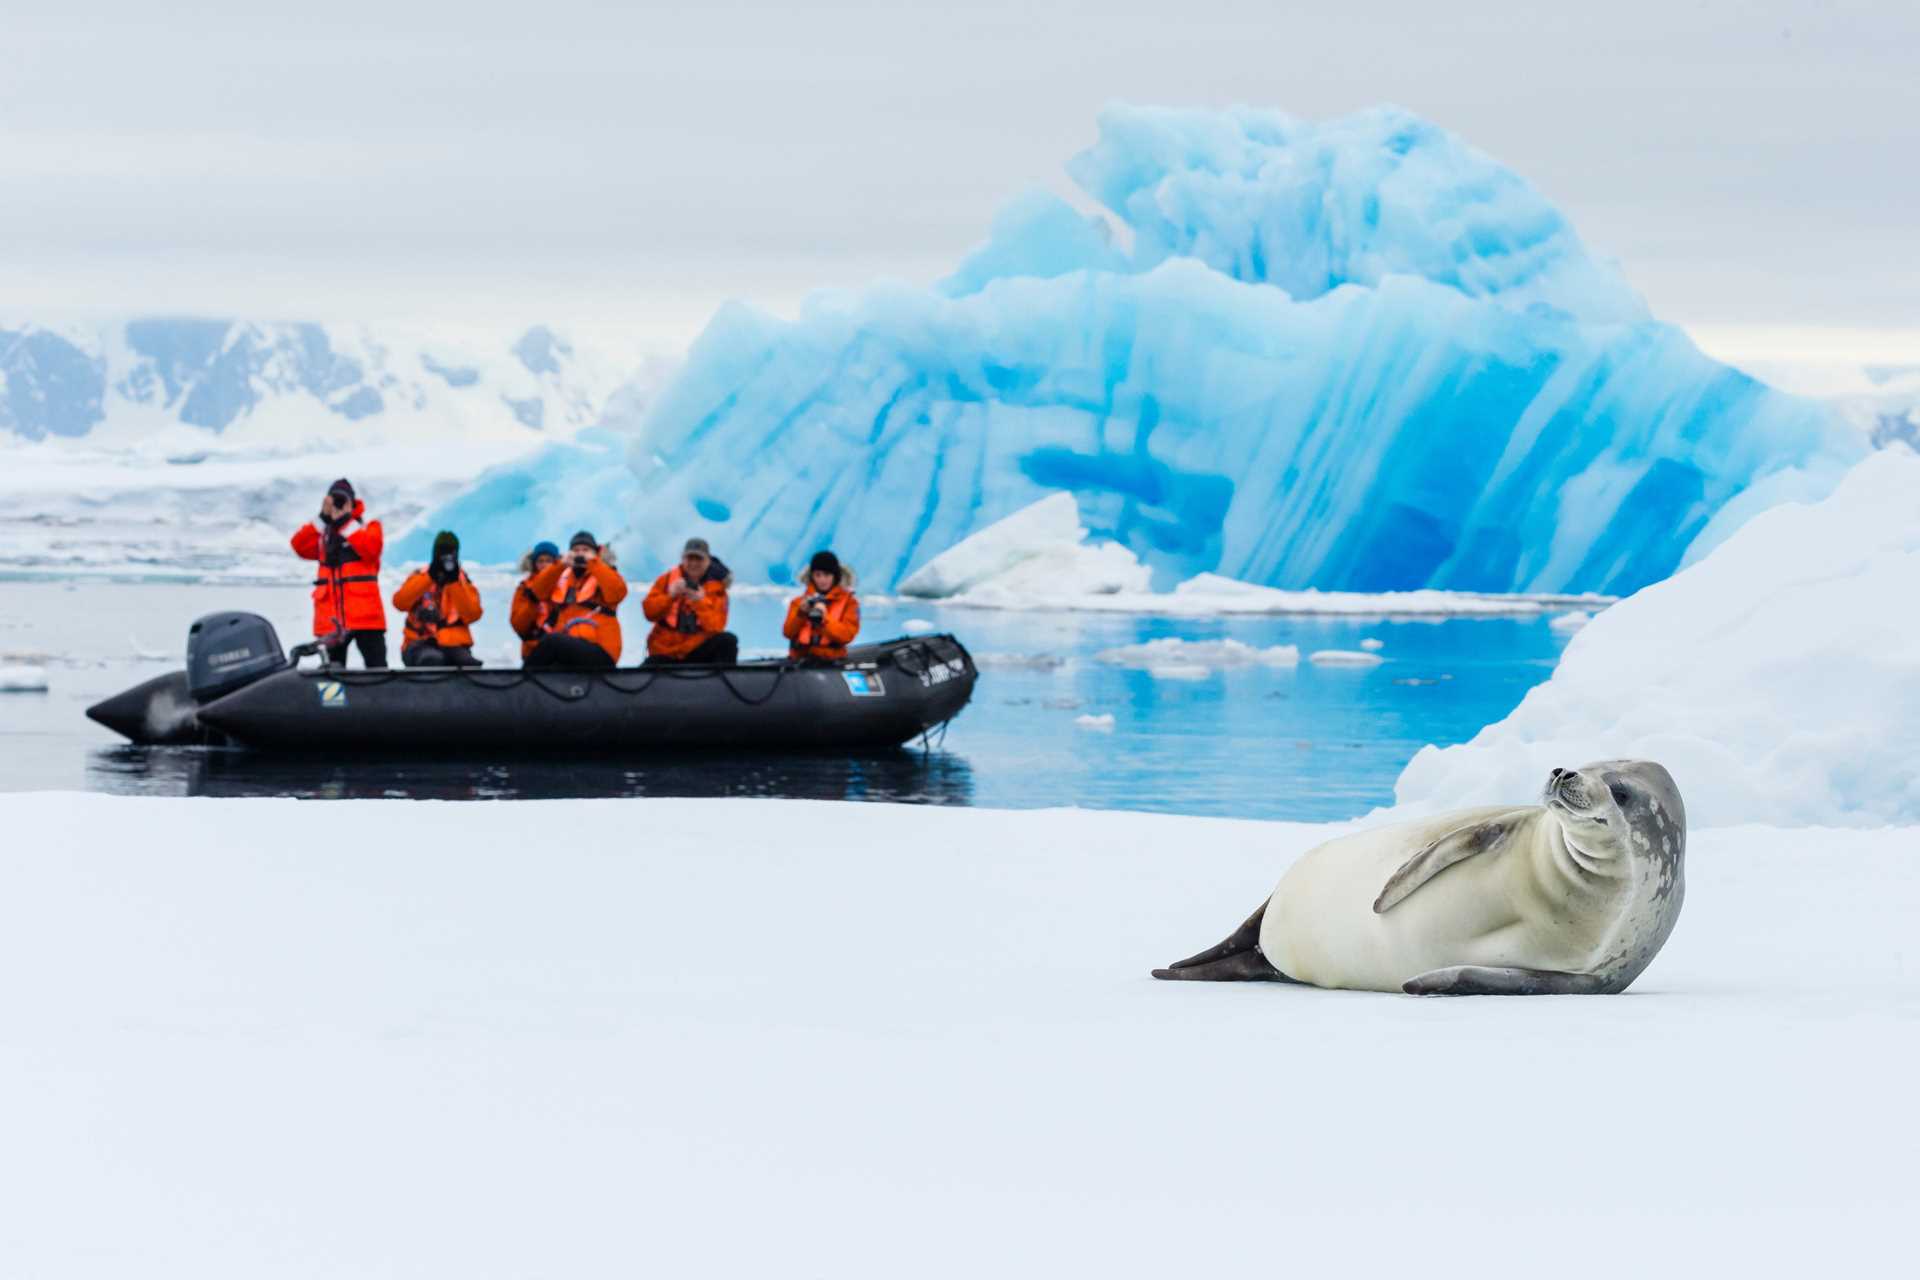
[1357, 355]
[126, 379]
[187, 445]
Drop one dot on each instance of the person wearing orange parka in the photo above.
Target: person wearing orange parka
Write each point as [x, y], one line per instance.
[583, 595]
[688, 609]
[442, 605]
[531, 613]
[346, 591]
[825, 617]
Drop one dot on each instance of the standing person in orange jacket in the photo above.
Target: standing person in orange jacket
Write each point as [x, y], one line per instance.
[346, 590]
[531, 614]
[583, 595]
[442, 604]
[688, 609]
[825, 617]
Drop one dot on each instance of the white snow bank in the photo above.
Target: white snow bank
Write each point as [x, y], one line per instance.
[1344, 658]
[1171, 651]
[23, 679]
[1778, 679]
[1035, 555]
[275, 1038]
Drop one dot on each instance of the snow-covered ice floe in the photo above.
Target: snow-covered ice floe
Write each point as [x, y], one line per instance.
[1036, 555]
[1344, 658]
[20, 679]
[1043, 558]
[1170, 652]
[1778, 679]
[1099, 723]
[1573, 621]
[1022, 661]
[372, 1038]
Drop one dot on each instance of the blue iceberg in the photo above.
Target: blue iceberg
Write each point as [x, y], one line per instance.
[1356, 356]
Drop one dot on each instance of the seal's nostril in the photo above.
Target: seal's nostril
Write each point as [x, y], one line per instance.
[1557, 773]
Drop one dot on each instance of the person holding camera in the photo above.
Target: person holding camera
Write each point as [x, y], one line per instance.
[825, 617]
[441, 604]
[583, 595]
[346, 591]
[531, 614]
[688, 609]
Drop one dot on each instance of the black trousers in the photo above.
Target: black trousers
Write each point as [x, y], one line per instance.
[429, 654]
[721, 649]
[373, 649]
[569, 651]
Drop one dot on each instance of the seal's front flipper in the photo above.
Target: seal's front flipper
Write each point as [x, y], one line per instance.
[1238, 959]
[1455, 846]
[1482, 980]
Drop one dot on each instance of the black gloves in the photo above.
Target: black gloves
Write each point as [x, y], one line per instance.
[444, 569]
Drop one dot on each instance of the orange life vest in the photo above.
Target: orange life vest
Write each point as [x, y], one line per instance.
[346, 585]
[435, 617]
[584, 596]
[671, 621]
[811, 635]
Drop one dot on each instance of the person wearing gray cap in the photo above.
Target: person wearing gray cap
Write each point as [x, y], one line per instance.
[688, 609]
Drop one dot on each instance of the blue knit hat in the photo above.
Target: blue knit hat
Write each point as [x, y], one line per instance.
[545, 549]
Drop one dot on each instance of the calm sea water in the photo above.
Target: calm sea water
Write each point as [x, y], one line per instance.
[1308, 743]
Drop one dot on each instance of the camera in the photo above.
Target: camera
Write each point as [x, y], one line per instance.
[579, 564]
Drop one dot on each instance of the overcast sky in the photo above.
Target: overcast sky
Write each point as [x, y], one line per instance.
[1751, 164]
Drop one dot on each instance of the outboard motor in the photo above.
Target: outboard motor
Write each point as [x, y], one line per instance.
[227, 650]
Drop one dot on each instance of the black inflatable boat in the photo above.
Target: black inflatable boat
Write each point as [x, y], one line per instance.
[240, 689]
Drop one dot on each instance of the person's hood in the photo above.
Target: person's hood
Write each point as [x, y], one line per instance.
[846, 577]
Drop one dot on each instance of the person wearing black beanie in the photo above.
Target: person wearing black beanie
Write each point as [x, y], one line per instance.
[825, 617]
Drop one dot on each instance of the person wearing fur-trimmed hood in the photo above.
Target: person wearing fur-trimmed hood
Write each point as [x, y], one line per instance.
[825, 617]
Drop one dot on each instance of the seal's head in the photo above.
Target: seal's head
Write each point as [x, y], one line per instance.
[1631, 803]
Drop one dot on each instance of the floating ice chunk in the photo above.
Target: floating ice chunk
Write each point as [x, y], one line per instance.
[1179, 671]
[1776, 679]
[918, 627]
[1344, 658]
[1035, 556]
[23, 679]
[143, 654]
[1570, 621]
[1171, 651]
[1370, 644]
[1020, 661]
[1102, 722]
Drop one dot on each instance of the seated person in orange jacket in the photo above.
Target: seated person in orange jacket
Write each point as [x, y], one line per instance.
[531, 614]
[442, 604]
[346, 586]
[688, 609]
[583, 596]
[824, 618]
